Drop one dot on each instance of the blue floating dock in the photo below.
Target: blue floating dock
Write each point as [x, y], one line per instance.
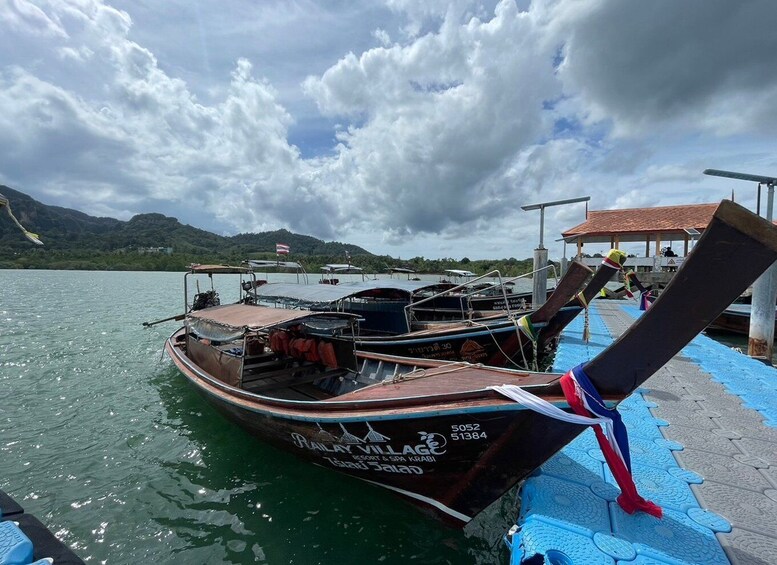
[703, 439]
[24, 540]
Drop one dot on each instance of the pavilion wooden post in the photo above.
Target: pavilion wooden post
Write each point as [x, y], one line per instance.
[685, 246]
[579, 248]
[647, 246]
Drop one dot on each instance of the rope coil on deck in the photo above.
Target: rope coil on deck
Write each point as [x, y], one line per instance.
[422, 372]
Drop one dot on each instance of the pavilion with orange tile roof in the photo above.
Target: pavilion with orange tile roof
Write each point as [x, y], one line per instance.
[659, 224]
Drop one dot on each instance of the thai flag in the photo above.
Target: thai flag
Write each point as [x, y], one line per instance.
[282, 249]
[583, 398]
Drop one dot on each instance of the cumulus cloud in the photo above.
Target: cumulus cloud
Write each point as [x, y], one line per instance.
[25, 15]
[146, 137]
[451, 115]
[703, 65]
[443, 117]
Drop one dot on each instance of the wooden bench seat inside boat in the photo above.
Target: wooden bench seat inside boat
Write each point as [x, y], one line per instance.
[289, 376]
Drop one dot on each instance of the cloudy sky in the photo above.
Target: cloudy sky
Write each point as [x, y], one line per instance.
[409, 128]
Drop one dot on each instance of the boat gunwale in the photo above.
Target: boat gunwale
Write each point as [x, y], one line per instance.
[482, 399]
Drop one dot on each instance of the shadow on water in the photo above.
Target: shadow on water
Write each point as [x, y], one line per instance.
[229, 497]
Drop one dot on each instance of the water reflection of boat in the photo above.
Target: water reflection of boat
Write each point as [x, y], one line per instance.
[457, 442]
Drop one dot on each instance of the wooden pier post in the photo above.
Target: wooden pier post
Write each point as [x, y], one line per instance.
[761, 340]
[760, 343]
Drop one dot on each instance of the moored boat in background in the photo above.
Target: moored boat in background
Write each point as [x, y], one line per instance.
[387, 312]
[608, 268]
[735, 319]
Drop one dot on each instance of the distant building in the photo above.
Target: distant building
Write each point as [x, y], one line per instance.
[656, 227]
[155, 250]
[651, 225]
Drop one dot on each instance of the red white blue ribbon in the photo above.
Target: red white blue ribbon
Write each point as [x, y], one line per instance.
[584, 399]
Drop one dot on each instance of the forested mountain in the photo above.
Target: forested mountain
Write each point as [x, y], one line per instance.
[61, 227]
[74, 240]
[69, 234]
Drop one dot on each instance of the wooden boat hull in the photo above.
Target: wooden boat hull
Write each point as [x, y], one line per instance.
[495, 344]
[450, 457]
[556, 324]
[735, 319]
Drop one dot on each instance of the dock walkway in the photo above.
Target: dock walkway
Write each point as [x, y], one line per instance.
[703, 437]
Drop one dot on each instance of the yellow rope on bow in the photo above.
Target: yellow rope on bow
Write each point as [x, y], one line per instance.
[615, 259]
[627, 281]
[527, 328]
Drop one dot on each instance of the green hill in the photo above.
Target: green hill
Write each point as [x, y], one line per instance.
[76, 240]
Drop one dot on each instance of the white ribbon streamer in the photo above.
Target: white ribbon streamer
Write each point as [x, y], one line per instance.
[537, 404]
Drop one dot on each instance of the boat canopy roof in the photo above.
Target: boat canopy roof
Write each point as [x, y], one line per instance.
[232, 321]
[248, 316]
[197, 269]
[326, 293]
[459, 273]
[401, 270]
[268, 264]
[341, 268]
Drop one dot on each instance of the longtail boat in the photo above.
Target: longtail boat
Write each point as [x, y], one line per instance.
[735, 319]
[498, 339]
[451, 437]
[610, 266]
[475, 295]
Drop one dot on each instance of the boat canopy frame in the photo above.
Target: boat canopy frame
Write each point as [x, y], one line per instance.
[231, 322]
[498, 285]
[265, 264]
[323, 294]
[210, 270]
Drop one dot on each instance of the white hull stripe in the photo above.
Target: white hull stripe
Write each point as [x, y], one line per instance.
[430, 501]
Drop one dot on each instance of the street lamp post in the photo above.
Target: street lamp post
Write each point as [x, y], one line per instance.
[540, 279]
[761, 339]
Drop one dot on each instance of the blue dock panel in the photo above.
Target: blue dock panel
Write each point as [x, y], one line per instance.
[15, 547]
[24, 540]
[569, 514]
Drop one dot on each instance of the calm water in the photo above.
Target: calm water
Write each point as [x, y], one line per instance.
[105, 442]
